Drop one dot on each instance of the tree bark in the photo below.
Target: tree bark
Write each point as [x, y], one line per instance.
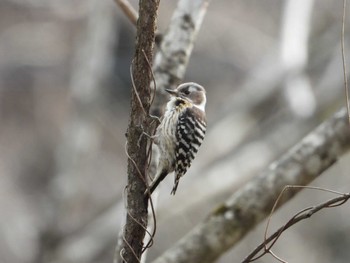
[136, 220]
[178, 41]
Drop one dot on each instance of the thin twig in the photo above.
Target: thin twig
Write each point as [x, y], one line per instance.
[145, 228]
[123, 237]
[279, 197]
[301, 215]
[133, 161]
[277, 257]
[134, 87]
[153, 78]
[121, 254]
[344, 60]
[296, 215]
[131, 249]
[151, 241]
[128, 10]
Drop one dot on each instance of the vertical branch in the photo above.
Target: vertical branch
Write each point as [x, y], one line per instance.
[172, 58]
[136, 220]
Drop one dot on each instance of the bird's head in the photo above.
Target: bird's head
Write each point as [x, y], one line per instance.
[191, 92]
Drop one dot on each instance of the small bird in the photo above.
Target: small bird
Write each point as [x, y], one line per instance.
[181, 132]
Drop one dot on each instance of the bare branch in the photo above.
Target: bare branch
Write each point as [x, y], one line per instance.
[230, 222]
[178, 40]
[136, 220]
[128, 10]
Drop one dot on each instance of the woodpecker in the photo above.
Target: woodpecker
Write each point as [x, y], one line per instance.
[180, 133]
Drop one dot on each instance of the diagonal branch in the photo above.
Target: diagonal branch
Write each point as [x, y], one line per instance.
[228, 224]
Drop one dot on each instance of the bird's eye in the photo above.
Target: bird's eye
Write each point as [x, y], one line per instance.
[187, 92]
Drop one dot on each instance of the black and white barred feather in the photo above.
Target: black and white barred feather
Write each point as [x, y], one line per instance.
[190, 132]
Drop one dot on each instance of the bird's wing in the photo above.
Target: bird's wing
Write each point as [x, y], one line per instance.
[190, 131]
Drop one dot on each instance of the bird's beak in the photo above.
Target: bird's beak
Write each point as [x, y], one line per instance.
[171, 92]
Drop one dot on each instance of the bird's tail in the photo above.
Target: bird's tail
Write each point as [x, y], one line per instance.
[176, 183]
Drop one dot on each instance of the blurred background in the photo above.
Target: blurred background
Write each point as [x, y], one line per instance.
[272, 70]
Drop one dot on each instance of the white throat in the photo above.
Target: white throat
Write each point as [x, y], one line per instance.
[171, 104]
